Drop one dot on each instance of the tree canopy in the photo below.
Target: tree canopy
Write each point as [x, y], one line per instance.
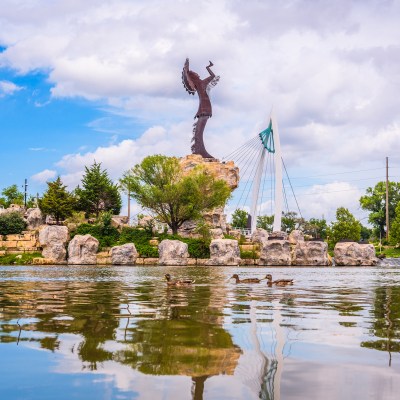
[98, 193]
[345, 227]
[239, 218]
[57, 201]
[395, 228]
[11, 195]
[159, 185]
[375, 202]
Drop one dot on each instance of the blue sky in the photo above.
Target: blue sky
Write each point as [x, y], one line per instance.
[102, 80]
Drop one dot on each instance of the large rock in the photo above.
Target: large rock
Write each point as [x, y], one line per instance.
[82, 250]
[275, 252]
[119, 221]
[296, 236]
[172, 252]
[124, 255]
[53, 239]
[224, 252]
[259, 235]
[352, 253]
[310, 253]
[216, 233]
[227, 171]
[34, 218]
[279, 235]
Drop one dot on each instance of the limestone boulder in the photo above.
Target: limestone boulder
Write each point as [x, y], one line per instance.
[53, 239]
[224, 252]
[259, 235]
[275, 252]
[82, 250]
[34, 218]
[172, 252]
[124, 255]
[352, 253]
[119, 221]
[217, 233]
[296, 236]
[279, 235]
[310, 253]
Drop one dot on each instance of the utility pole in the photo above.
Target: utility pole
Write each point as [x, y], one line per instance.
[387, 198]
[26, 191]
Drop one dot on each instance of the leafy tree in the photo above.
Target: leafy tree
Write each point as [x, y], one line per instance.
[265, 222]
[239, 218]
[159, 185]
[11, 223]
[11, 195]
[316, 227]
[395, 229]
[98, 192]
[345, 227]
[375, 202]
[290, 221]
[57, 201]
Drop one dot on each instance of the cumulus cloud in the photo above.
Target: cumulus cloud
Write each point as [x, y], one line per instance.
[8, 88]
[44, 176]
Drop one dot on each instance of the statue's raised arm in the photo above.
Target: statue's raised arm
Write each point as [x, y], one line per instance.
[193, 83]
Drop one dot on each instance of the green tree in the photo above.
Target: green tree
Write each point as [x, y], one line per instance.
[239, 218]
[395, 228]
[316, 227]
[11, 223]
[345, 227]
[11, 195]
[290, 221]
[159, 185]
[57, 201]
[265, 222]
[98, 192]
[375, 202]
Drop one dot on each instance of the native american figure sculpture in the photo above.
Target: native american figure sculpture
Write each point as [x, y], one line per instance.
[193, 84]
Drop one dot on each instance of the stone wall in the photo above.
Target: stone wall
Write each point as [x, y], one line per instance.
[27, 241]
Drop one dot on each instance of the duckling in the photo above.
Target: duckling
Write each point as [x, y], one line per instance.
[279, 282]
[178, 282]
[246, 280]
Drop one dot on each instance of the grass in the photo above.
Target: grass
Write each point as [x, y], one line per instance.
[389, 251]
[19, 259]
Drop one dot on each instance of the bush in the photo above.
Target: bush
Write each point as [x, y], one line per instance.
[11, 223]
[248, 254]
[107, 236]
[140, 237]
[145, 250]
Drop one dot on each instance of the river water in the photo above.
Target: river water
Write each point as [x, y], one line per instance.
[121, 333]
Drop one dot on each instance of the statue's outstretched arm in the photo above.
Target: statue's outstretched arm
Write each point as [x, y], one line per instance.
[212, 75]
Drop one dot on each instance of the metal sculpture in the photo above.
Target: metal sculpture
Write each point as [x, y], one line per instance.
[193, 83]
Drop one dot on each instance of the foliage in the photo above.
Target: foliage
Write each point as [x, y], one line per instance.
[140, 237]
[197, 248]
[11, 195]
[265, 222]
[11, 223]
[204, 230]
[290, 221]
[98, 193]
[57, 201]
[248, 254]
[375, 202]
[159, 185]
[395, 227]
[366, 233]
[345, 227]
[391, 252]
[19, 259]
[77, 217]
[316, 228]
[239, 218]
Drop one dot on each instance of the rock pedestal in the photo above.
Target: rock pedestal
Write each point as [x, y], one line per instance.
[259, 235]
[275, 252]
[310, 253]
[352, 253]
[53, 239]
[172, 252]
[224, 252]
[82, 250]
[124, 255]
[296, 236]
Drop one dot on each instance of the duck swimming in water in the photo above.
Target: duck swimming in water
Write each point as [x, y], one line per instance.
[279, 282]
[246, 280]
[178, 282]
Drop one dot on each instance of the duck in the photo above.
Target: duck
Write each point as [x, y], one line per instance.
[178, 282]
[279, 282]
[246, 280]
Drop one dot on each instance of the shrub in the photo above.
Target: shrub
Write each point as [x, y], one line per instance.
[248, 254]
[11, 223]
[107, 236]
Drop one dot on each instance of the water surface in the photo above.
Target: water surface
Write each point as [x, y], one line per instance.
[121, 333]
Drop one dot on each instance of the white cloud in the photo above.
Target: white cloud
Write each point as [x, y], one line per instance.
[44, 176]
[8, 88]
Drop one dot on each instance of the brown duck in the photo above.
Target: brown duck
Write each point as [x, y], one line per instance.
[279, 282]
[178, 282]
[246, 280]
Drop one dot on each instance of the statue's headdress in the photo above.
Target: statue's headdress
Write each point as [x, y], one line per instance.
[187, 82]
